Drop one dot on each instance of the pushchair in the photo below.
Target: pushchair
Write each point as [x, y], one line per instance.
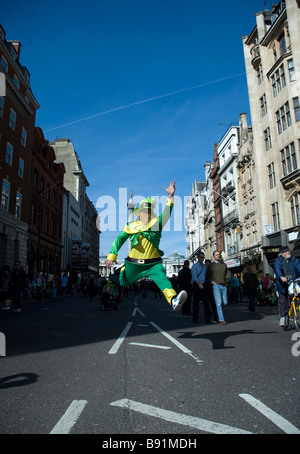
[109, 299]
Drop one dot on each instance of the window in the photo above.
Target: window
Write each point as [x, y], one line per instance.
[278, 81]
[9, 154]
[282, 44]
[274, 86]
[4, 64]
[34, 182]
[23, 137]
[296, 108]
[5, 195]
[1, 106]
[291, 69]
[263, 105]
[275, 217]
[283, 118]
[12, 119]
[295, 210]
[16, 82]
[32, 213]
[288, 159]
[268, 142]
[282, 76]
[271, 174]
[260, 76]
[21, 168]
[46, 222]
[26, 74]
[278, 120]
[18, 205]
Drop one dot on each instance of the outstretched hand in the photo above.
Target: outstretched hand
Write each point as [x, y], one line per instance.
[171, 189]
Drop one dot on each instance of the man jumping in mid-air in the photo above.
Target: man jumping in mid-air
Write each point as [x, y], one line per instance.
[144, 258]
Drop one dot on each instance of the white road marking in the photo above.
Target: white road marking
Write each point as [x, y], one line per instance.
[178, 418]
[120, 340]
[135, 310]
[175, 342]
[150, 345]
[278, 420]
[68, 420]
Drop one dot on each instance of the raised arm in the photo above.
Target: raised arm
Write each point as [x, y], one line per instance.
[171, 189]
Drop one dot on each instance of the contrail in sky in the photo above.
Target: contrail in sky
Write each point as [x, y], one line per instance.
[115, 109]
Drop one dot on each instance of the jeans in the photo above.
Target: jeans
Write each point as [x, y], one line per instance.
[221, 299]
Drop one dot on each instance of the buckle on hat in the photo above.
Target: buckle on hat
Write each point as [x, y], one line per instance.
[141, 262]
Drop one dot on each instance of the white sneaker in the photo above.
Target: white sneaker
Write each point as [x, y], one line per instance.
[5, 308]
[282, 321]
[179, 300]
[17, 310]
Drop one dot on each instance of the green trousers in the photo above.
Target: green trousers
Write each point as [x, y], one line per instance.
[132, 272]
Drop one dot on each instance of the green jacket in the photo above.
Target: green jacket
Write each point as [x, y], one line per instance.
[151, 231]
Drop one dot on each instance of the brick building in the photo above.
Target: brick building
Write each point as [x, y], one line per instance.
[46, 208]
[17, 121]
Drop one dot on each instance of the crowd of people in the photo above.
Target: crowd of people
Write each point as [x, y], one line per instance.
[15, 286]
[207, 282]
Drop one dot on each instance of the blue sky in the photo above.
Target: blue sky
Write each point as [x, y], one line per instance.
[142, 88]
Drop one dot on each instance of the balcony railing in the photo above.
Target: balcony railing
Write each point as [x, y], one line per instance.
[231, 218]
[255, 54]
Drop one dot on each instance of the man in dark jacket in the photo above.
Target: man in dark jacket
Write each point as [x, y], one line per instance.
[184, 283]
[285, 267]
[250, 285]
[17, 284]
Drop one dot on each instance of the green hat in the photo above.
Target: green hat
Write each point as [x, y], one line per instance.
[147, 204]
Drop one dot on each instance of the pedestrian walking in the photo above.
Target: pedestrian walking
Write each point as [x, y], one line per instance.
[39, 285]
[17, 285]
[200, 293]
[99, 283]
[217, 275]
[144, 258]
[184, 282]
[286, 267]
[53, 284]
[63, 285]
[250, 285]
[208, 286]
[92, 288]
[5, 292]
[235, 288]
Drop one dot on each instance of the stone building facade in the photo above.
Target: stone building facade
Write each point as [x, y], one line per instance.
[272, 59]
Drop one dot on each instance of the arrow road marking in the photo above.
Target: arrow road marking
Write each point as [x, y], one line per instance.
[178, 418]
[278, 420]
[175, 342]
[135, 310]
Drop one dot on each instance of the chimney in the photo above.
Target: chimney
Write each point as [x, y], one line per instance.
[17, 46]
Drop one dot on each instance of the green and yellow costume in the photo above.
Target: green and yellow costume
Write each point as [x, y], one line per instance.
[144, 258]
